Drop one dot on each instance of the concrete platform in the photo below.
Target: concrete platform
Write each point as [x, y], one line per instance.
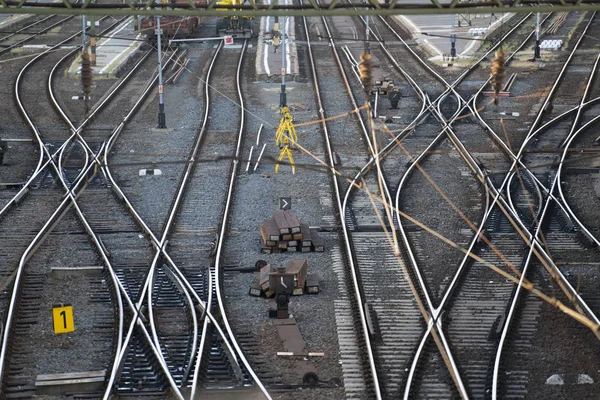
[268, 63]
[8, 20]
[421, 25]
[113, 52]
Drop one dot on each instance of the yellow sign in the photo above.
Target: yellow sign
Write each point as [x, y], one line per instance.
[63, 318]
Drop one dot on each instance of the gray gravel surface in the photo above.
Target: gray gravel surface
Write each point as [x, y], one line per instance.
[256, 197]
[89, 347]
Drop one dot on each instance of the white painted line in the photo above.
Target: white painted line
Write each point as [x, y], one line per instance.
[258, 134]
[266, 53]
[259, 156]
[266, 60]
[249, 159]
[434, 48]
[285, 31]
[490, 28]
[416, 31]
[469, 48]
[409, 22]
[125, 25]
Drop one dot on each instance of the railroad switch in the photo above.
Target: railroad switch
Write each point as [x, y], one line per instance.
[285, 138]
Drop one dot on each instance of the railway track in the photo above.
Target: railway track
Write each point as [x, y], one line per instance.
[161, 298]
[219, 361]
[421, 330]
[477, 379]
[477, 375]
[34, 281]
[20, 36]
[382, 245]
[550, 230]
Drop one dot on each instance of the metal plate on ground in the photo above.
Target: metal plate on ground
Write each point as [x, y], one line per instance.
[290, 334]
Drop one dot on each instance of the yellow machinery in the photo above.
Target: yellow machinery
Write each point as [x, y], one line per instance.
[286, 137]
[238, 27]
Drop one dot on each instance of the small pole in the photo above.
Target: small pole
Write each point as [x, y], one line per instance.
[537, 38]
[282, 98]
[93, 39]
[367, 32]
[453, 40]
[93, 55]
[84, 27]
[161, 106]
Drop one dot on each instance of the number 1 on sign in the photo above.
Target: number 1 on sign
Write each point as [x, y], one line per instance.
[64, 315]
[63, 319]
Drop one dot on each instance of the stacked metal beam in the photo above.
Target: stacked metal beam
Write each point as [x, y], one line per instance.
[285, 232]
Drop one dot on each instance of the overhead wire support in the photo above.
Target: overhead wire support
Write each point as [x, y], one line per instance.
[282, 97]
[161, 105]
[537, 37]
[309, 9]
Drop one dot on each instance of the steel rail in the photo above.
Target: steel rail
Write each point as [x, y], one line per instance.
[23, 190]
[161, 249]
[517, 223]
[573, 132]
[477, 235]
[184, 289]
[146, 291]
[48, 225]
[443, 342]
[207, 306]
[450, 87]
[135, 308]
[312, 9]
[509, 195]
[76, 131]
[163, 242]
[366, 131]
[567, 143]
[562, 196]
[491, 185]
[521, 165]
[341, 211]
[41, 164]
[452, 366]
[20, 42]
[435, 312]
[18, 31]
[538, 229]
[94, 237]
[157, 348]
[155, 241]
[223, 230]
[347, 238]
